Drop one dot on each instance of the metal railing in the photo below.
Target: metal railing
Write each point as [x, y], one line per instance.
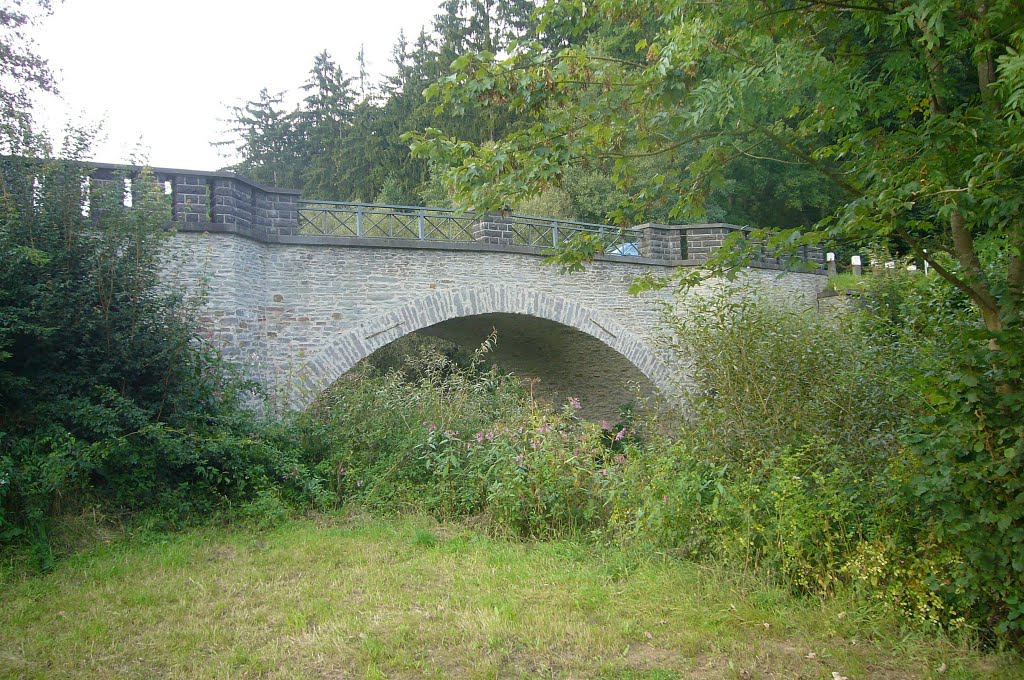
[546, 232]
[365, 220]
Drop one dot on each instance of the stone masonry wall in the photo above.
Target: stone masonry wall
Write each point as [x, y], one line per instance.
[218, 201]
[300, 310]
[301, 315]
[695, 243]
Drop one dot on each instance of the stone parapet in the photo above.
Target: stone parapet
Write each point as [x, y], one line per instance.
[696, 243]
[201, 200]
[494, 229]
[227, 202]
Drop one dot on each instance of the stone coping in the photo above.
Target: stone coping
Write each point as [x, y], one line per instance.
[217, 174]
[701, 228]
[416, 244]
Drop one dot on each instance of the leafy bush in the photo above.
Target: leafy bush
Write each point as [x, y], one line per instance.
[968, 442]
[769, 374]
[399, 441]
[880, 450]
[107, 392]
[455, 440]
[799, 458]
[552, 475]
[799, 514]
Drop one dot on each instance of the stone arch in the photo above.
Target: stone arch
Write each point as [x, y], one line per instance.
[347, 349]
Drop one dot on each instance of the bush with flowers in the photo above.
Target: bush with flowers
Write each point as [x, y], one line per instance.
[552, 474]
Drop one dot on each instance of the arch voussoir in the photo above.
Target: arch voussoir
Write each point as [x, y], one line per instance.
[347, 349]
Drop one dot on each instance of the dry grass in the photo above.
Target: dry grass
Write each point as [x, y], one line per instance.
[359, 597]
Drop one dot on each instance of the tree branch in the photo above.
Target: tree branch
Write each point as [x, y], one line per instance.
[1015, 264]
[816, 164]
[984, 300]
[671, 147]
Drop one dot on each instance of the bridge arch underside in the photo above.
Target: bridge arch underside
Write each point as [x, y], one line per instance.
[573, 350]
[560, 361]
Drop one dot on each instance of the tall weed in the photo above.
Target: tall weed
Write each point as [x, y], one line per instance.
[769, 373]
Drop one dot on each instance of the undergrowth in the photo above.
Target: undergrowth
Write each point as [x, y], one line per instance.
[877, 452]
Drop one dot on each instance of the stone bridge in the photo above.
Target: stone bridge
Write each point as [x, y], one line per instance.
[302, 291]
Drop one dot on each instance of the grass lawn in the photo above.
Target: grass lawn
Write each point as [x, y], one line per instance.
[361, 597]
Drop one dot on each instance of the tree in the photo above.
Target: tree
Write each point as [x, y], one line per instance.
[321, 126]
[22, 72]
[911, 112]
[344, 141]
[265, 137]
[912, 109]
[108, 393]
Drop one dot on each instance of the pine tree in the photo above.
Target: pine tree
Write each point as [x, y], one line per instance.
[264, 136]
[322, 124]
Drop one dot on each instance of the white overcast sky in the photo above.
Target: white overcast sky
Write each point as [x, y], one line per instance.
[159, 75]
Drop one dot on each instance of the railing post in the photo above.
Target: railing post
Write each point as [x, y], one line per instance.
[554, 234]
[359, 221]
[423, 224]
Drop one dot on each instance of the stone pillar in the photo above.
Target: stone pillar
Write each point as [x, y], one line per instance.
[494, 229]
[276, 211]
[693, 242]
[814, 254]
[662, 241]
[704, 239]
[233, 205]
[191, 199]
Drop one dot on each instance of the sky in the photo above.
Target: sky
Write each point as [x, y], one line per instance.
[159, 76]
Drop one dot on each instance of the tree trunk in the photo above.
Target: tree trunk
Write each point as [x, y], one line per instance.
[985, 60]
[963, 248]
[1015, 266]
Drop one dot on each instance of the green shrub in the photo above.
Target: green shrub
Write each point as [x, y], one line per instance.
[769, 373]
[968, 443]
[799, 514]
[265, 511]
[551, 475]
[796, 460]
[108, 393]
[400, 441]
